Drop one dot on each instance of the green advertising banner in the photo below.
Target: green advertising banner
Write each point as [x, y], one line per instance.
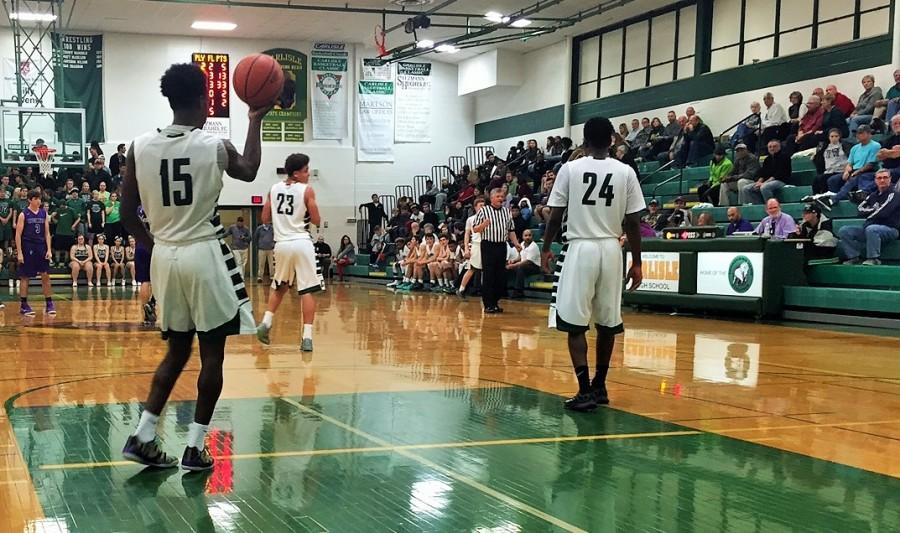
[78, 82]
[290, 109]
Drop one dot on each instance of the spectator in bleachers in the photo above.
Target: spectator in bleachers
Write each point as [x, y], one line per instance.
[698, 143]
[519, 222]
[811, 122]
[719, 168]
[832, 118]
[511, 184]
[526, 209]
[377, 245]
[429, 216]
[416, 214]
[865, 106]
[646, 149]
[528, 263]
[859, 172]
[705, 219]
[635, 130]
[889, 155]
[430, 195]
[819, 230]
[346, 256]
[796, 100]
[623, 130]
[841, 101]
[689, 112]
[773, 175]
[97, 174]
[533, 158]
[626, 155]
[746, 167]
[654, 218]
[818, 91]
[375, 213]
[67, 222]
[663, 141]
[881, 210]
[736, 222]
[778, 225]
[643, 136]
[680, 216]
[891, 100]
[397, 224]
[835, 162]
[323, 256]
[775, 122]
[747, 131]
[675, 146]
[515, 153]
[486, 169]
[524, 188]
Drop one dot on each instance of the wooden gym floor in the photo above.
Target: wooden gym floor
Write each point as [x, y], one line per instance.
[418, 413]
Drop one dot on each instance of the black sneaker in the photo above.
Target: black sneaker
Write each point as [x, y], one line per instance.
[148, 314]
[807, 199]
[582, 402]
[858, 197]
[147, 453]
[601, 396]
[197, 460]
[825, 202]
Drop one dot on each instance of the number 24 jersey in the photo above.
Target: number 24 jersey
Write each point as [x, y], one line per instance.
[597, 194]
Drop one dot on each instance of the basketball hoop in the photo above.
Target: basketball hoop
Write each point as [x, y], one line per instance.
[44, 156]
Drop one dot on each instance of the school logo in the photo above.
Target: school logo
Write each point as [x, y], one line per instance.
[329, 83]
[740, 274]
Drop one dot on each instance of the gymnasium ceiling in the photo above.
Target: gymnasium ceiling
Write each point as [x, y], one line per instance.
[174, 17]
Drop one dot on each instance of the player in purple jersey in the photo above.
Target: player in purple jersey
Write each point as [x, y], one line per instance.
[33, 245]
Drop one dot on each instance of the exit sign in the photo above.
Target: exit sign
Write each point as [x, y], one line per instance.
[256, 200]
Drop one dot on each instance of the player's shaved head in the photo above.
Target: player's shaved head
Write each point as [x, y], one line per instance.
[598, 132]
[184, 84]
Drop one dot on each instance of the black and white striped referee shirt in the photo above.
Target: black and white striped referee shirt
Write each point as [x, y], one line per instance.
[500, 226]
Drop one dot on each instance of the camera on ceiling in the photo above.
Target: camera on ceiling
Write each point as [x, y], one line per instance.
[418, 22]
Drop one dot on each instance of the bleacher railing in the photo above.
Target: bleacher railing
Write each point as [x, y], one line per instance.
[419, 186]
[441, 172]
[646, 179]
[403, 190]
[456, 163]
[679, 177]
[389, 201]
[759, 130]
[478, 153]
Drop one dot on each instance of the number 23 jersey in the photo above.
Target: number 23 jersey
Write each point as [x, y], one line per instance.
[290, 219]
[179, 174]
[597, 193]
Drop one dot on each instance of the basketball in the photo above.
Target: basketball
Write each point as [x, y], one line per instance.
[258, 80]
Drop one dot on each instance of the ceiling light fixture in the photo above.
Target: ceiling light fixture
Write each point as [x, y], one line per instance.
[520, 23]
[33, 17]
[447, 49]
[495, 17]
[425, 43]
[213, 26]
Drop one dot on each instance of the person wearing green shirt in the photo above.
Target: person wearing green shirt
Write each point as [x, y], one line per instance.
[719, 168]
[66, 222]
[7, 215]
[113, 218]
[892, 99]
[73, 201]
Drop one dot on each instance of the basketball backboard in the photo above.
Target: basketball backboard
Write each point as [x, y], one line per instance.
[61, 129]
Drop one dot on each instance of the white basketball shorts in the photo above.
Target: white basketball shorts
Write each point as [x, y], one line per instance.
[296, 266]
[475, 255]
[588, 286]
[200, 290]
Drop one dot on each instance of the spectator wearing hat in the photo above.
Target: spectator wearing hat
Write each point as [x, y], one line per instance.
[680, 216]
[774, 174]
[820, 232]
[736, 222]
[859, 172]
[778, 225]
[719, 169]
[654, 218]
[881, 210]
[743, 173]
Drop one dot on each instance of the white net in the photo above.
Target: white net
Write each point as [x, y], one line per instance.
[45, 159]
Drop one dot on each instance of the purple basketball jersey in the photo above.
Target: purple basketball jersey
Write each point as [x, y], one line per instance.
[34, 226]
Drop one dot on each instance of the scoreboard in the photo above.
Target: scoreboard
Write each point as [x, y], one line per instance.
[215, 66]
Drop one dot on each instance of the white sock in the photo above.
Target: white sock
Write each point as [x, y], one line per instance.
[405, 279]
[307, 331]
[267, 319]
[197, 435]
[419, 281]
[146, 430]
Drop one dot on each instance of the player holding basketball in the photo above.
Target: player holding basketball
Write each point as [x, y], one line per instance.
[175, 174]
[290, 207]
[597, 193]
[33, 245]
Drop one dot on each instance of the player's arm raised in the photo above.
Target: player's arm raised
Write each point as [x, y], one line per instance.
[312, 207]
[131, 199]
[245, 166]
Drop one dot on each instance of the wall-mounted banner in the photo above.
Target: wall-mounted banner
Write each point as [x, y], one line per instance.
[413, 121]
[730, 274]
[285, 122]
[375, 130]
[376, 70]
[661, 270]
[328, 72]
[35, 88]
[218, 111]
[79, 83]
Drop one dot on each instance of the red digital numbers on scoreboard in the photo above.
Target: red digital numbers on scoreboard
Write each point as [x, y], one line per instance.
[215, 66]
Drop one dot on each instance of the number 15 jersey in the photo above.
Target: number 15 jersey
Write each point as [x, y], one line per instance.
[179, 174]
[597, 193]
[290, 219]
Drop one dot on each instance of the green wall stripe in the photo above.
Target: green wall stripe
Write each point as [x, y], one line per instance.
[818, 63]
[532, 122]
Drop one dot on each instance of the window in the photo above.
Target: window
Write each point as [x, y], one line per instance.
[656, 49]
[750, 31]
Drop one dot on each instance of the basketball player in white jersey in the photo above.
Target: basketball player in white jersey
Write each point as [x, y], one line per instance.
[596, 193]
[290, 207]
[175, 174]
[472, 245]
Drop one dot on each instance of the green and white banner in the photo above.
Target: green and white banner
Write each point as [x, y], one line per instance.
[329, 81]
[375, 131]
[374, 69]
[79, 82]
[413, 121]
[284, 123]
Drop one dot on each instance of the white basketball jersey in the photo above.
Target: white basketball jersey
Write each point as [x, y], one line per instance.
[179, 176]
[290, 219]
[598, 193]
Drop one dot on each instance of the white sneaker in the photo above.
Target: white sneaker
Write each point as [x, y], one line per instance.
[90, 285]
[134, 283]
[74, 283]
[109, 283]
[12, 283]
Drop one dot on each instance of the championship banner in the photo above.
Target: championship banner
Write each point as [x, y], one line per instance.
[661, 271]
[329, 80]
[79, 83]
[376, 121]
[375, 70]
[218, 83]
[413, 121]
[285, 122]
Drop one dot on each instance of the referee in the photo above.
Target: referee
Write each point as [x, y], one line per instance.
[495, 224]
